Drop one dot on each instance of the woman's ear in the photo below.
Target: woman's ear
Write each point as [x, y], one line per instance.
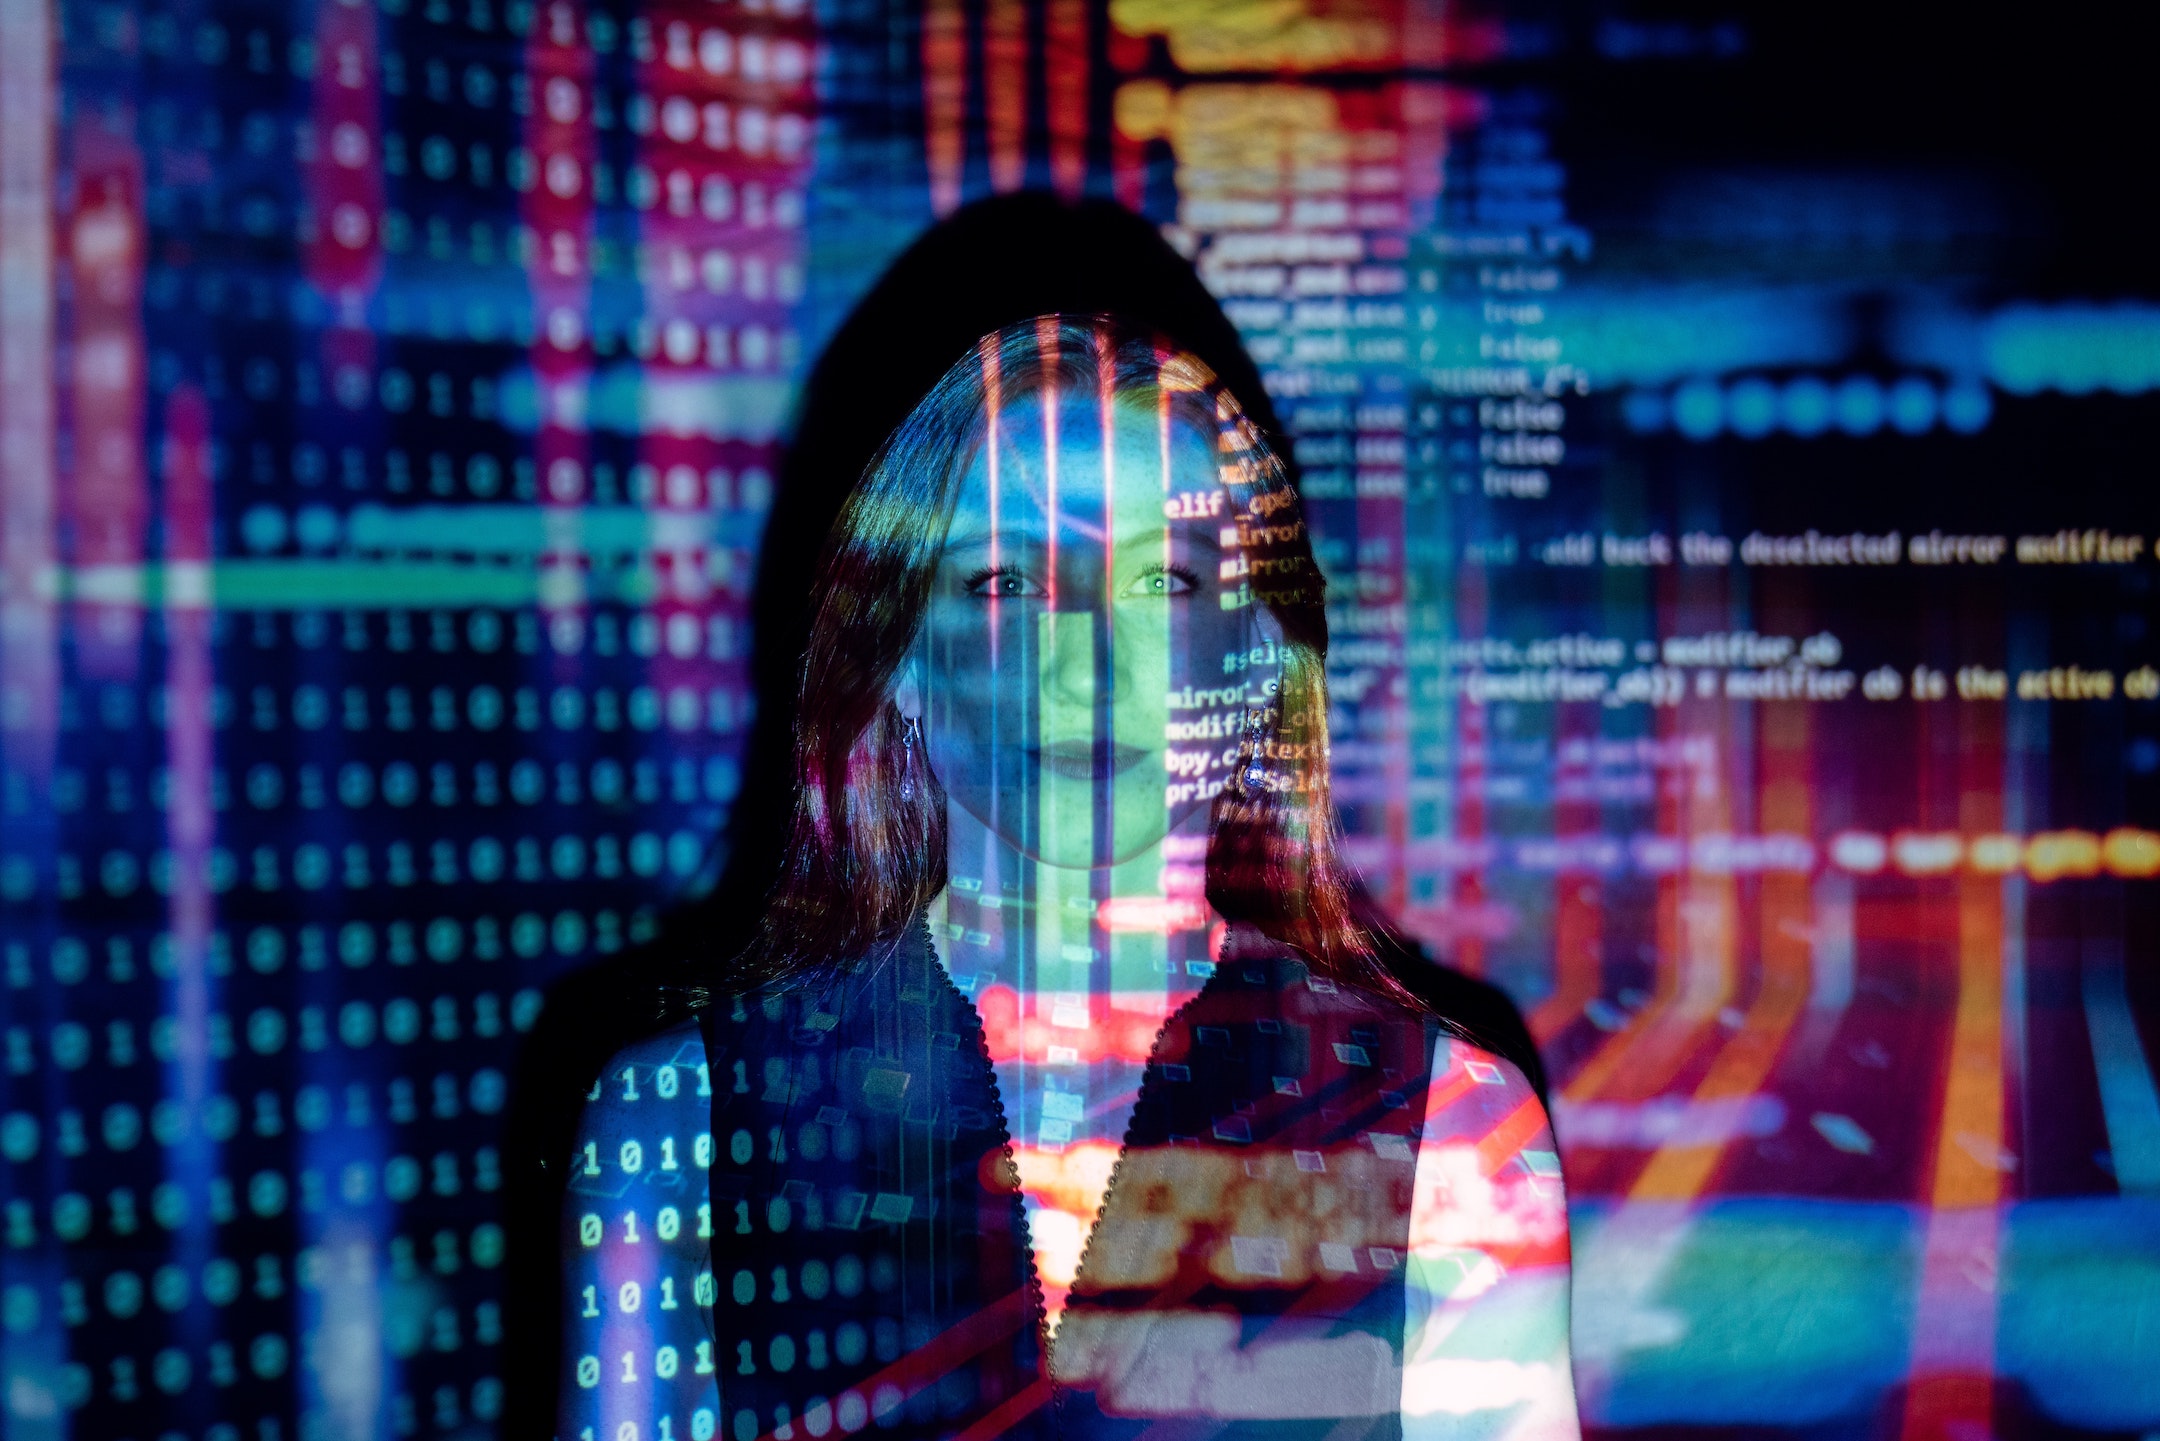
[1264, 631]
[907, 691]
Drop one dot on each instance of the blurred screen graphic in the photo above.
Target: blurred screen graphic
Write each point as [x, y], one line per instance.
[1726, 435]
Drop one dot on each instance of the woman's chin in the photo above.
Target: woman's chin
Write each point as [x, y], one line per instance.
[1078, 853]
[1074, 849]
[1073, 858]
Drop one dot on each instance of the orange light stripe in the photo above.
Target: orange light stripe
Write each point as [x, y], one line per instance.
[1515, 1131]
[944, 62]
[1953, 1359]
[1065, 23]
[1695, 981]
[1682, 1172]
[1005, 91]
[1785, 906]
[1697, 936]
[1973, 1093]
[1951, 1394]
[1444, 1093]
[1578, 944]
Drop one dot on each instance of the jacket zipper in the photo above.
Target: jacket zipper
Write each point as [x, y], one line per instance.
[1038, 1312]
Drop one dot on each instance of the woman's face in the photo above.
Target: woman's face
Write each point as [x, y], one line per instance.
[1081, 593]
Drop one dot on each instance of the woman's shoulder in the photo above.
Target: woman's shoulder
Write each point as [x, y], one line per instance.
[1472, 1021]
[665, 1071]
[1467, 1067]
[1480, 1098]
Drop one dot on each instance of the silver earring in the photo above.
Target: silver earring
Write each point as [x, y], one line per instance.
[910, 738]
[1252, 772]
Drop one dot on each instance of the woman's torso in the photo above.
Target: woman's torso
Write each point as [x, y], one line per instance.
[796, 1218]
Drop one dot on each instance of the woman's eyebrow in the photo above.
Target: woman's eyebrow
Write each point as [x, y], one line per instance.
[1176, 534]
[981, 538]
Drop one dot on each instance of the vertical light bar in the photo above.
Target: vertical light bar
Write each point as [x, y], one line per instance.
[944, 63]
[191, 1160]
[30, 1361]
[1106, 402]
[1950, 1387]
[29, 643]
[1005, 67]
[1682, 1169]
[993, 423]
[2128, 1105]
[1106, 663]
[1062, 801]
[993, 407]
[347, 1393]
[1046, 341]
[29, 635]
[108, 492]
[1950, 1392]
[1066, 81]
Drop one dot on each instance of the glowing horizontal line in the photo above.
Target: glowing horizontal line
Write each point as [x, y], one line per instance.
[300, 585]
[525, 530]
[2126, 851]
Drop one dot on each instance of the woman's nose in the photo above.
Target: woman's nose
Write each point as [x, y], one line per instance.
[1070, 642]
[1087, 655]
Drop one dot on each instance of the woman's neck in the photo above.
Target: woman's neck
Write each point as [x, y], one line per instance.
[1119, 933]
[1073, 972]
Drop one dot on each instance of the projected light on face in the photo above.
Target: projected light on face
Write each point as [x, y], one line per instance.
[1089, 592]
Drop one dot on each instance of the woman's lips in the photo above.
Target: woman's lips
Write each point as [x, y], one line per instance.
[1086, 760]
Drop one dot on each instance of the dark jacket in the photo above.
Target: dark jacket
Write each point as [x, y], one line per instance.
[1246, 1271]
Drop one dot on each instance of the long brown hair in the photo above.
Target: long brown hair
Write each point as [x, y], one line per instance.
[866, 850]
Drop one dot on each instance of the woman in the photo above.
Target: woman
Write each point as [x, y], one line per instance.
[1061, 1091]
[953, 284]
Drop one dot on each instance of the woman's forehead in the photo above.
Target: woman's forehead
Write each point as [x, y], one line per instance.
[1132, 449]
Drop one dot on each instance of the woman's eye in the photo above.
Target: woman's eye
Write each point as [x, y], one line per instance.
[1001, 582]
[1162, 580]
